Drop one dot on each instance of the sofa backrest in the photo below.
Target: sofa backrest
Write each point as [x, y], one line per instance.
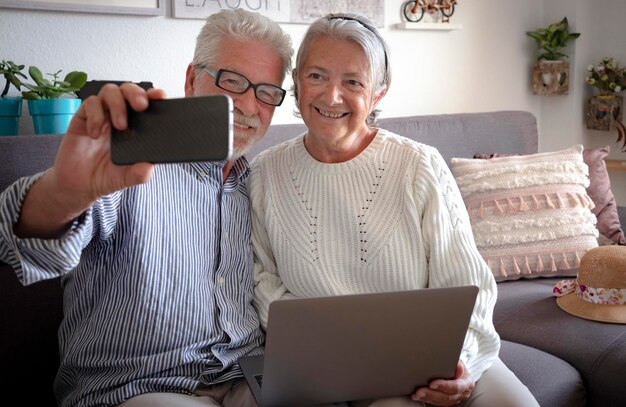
[26, 155]
[454, 135]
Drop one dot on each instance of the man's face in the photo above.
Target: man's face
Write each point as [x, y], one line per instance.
[259, 64]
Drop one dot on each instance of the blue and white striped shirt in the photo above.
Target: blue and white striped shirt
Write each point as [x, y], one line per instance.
[157, 284]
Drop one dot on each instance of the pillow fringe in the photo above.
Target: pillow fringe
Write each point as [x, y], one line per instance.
[552, 263]
[564, 263]
[527, 270]
[504, 206]
[510, 206]
[516, 267]
[540, 266]
[502, 268]
[522, 205]
[590, 203]
[536, 204]
[499, 208]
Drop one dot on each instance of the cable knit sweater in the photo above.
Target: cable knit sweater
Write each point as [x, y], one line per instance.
[390, 219]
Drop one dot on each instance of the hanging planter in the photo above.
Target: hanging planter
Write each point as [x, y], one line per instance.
[550, 75]
[604, 112]
[551, 78]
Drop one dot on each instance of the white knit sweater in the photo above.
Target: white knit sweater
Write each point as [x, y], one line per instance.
[390, 219]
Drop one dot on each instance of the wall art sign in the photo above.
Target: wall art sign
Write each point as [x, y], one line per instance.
[283, 11]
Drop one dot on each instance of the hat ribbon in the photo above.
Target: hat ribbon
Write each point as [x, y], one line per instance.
[612, 296]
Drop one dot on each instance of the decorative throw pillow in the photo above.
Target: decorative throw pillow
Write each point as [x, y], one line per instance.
[531, 215]
[599, 190]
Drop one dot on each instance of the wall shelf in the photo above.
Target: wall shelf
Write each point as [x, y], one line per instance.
[616, 165]
[428, 26]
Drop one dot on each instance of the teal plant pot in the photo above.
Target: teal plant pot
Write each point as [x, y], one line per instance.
[10, 113]
[52, 116]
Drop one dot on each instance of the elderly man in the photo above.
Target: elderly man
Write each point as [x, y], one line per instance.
[155, 260]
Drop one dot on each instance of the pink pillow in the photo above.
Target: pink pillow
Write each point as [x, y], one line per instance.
[600, 192]
[530, 214]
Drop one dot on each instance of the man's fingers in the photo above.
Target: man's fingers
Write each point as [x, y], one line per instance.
[95, 116]
[155, 93]
[138, 98]
[139, 173]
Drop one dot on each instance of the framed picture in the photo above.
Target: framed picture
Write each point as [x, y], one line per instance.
[141, 7]
[283, 11]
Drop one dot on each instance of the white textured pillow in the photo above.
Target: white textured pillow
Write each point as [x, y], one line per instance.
[531, 215]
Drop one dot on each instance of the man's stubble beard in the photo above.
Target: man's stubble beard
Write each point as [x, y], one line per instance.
[242, 143]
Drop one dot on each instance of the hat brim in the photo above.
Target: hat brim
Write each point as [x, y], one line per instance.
[576, 306]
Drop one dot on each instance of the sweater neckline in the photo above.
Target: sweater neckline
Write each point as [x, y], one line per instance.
[307, 160]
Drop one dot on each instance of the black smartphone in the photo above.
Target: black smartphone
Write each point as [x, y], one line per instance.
[198, 128]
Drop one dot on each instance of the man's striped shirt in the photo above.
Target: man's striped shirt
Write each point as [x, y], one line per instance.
[157, 284]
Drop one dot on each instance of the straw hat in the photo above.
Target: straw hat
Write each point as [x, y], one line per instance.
[599, 291]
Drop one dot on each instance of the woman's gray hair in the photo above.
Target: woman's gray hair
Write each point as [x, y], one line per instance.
[356, 28]
[241, 25]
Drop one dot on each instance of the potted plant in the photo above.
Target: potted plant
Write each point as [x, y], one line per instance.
[52, 103]
[604, 110]
[551, 73]
[10, 107]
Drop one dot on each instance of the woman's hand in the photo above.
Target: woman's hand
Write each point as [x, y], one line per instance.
[447, 392]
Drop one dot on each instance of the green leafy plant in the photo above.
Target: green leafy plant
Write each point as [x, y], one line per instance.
[55, 88]
[608, 77]
[552, 39]
[12, 73]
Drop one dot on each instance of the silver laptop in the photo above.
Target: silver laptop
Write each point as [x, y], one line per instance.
[355, 347]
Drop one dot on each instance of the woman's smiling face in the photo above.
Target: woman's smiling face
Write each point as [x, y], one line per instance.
[335, 92]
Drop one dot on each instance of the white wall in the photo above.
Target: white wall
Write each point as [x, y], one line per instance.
[471, 69]
[602, 28]
[482, 67]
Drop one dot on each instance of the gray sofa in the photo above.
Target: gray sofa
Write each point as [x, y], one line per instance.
[564, 360]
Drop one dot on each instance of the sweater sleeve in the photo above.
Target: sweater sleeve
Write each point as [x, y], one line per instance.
[454, 259]
[268, 286]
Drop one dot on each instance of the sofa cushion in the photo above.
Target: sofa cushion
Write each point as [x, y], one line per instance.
[526, 312]
[530, 214]
[600, 192]
[565, 387]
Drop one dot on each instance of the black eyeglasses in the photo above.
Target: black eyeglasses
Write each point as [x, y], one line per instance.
[237, 83]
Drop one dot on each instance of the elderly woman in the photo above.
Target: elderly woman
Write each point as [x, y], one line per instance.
[350, 208]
